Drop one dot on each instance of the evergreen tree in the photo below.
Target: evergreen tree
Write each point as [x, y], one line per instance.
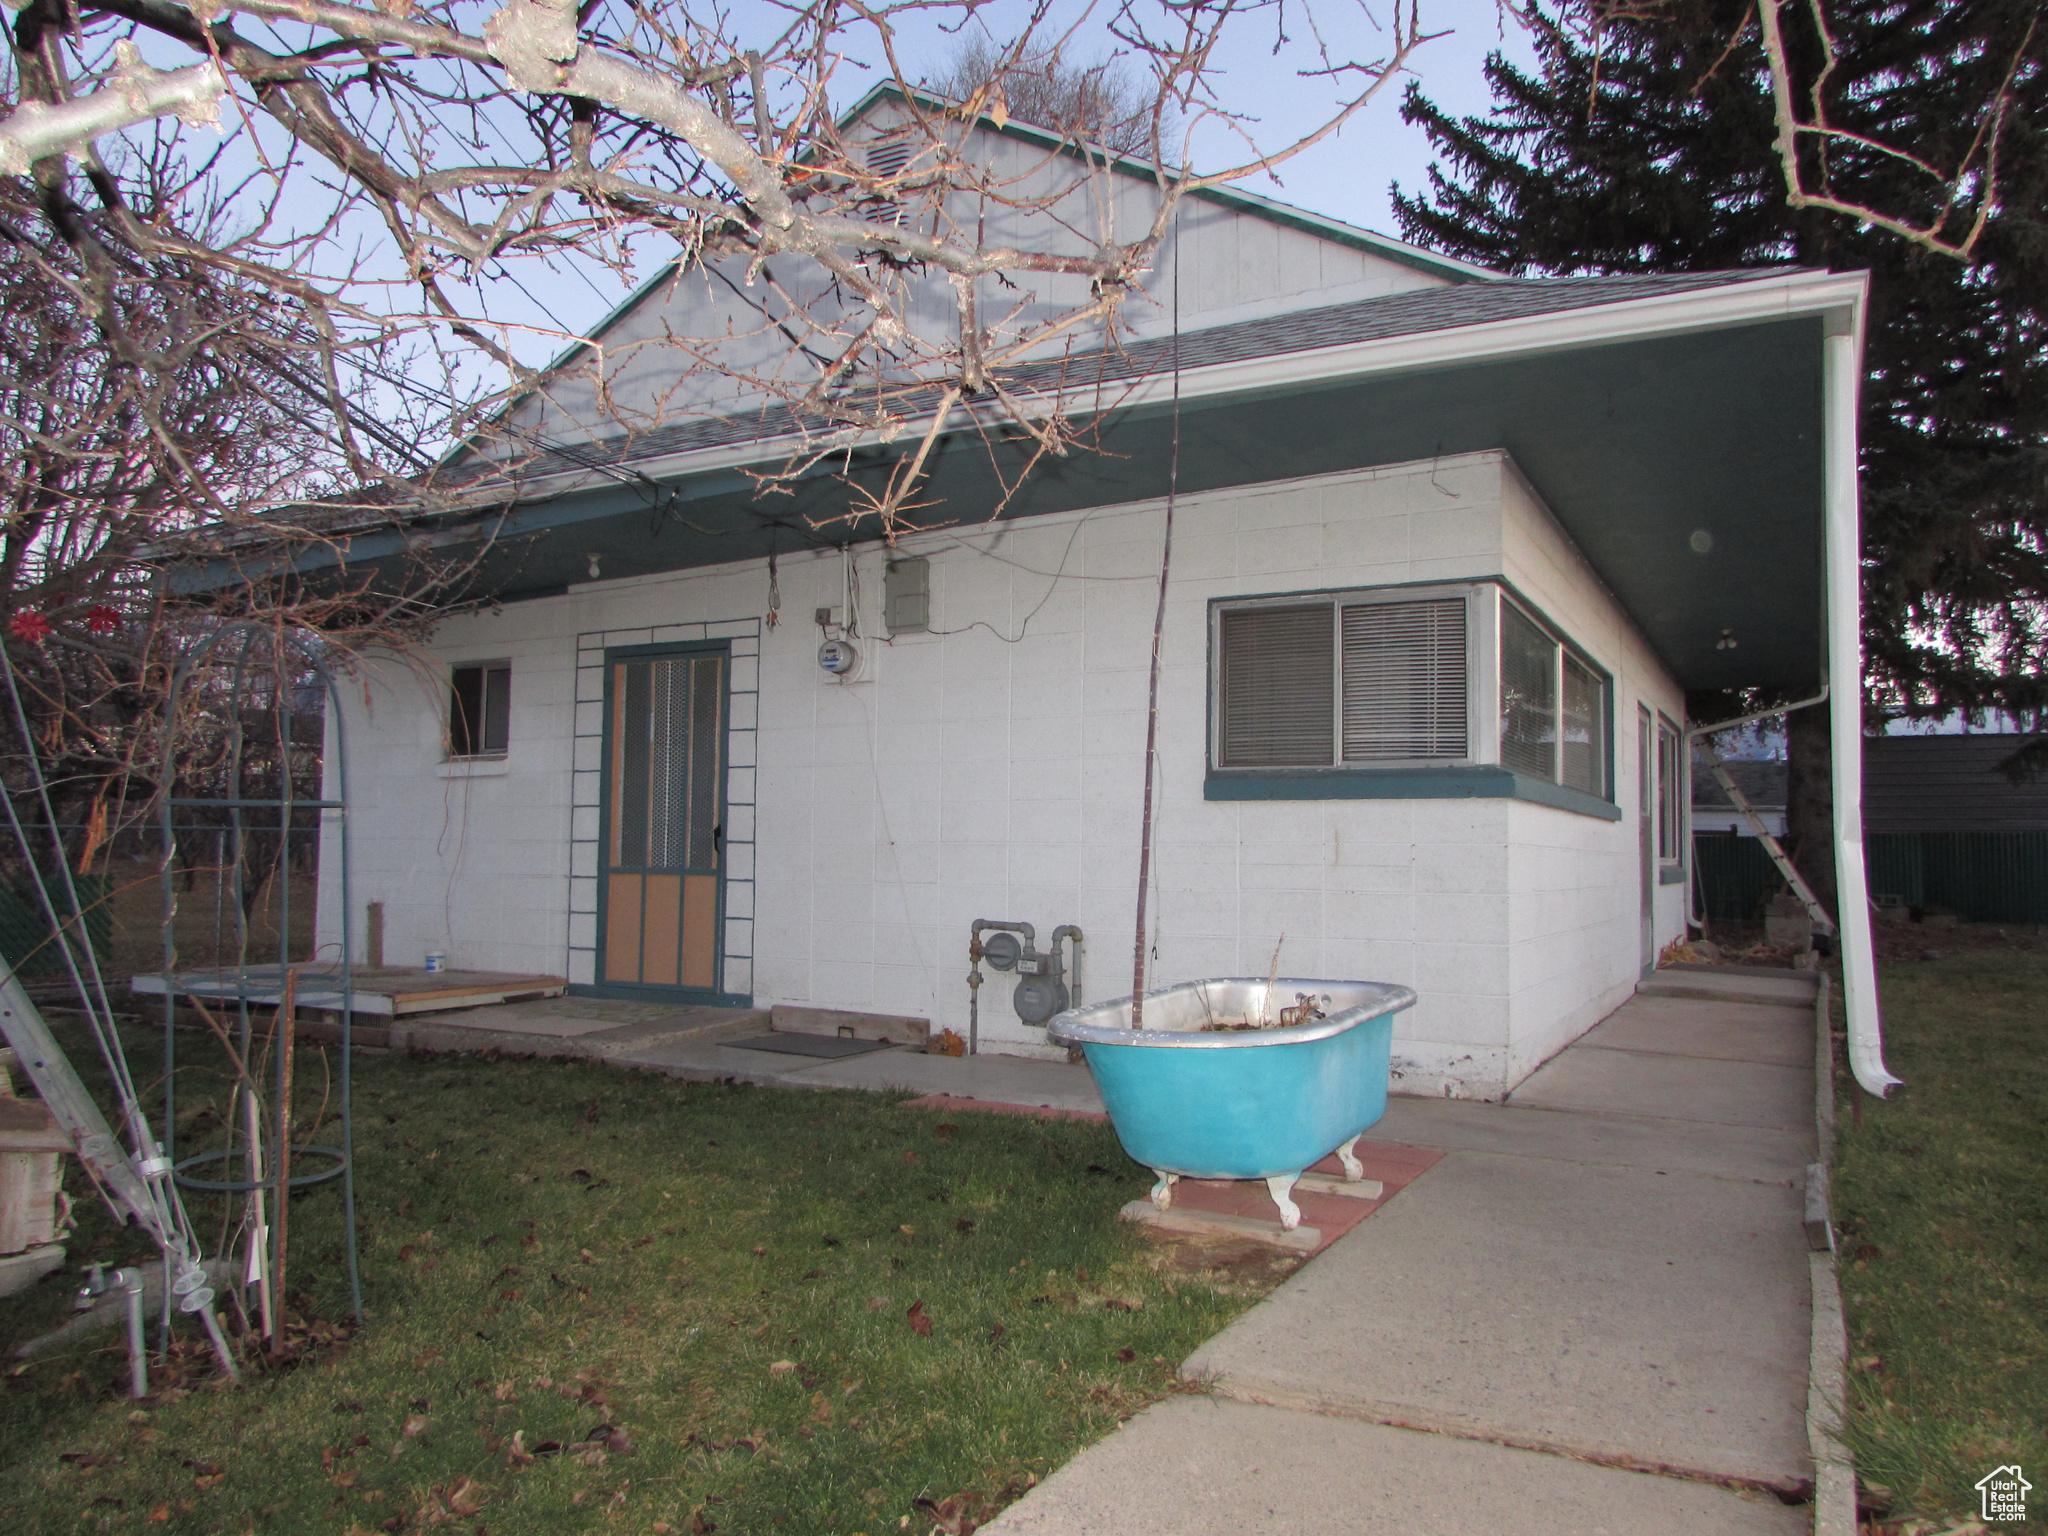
[1655, 150]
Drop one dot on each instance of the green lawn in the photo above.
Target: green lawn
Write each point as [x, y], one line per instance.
[801, 1311]
[1942, 1211]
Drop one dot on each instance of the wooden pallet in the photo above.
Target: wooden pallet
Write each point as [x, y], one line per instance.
[389, 990]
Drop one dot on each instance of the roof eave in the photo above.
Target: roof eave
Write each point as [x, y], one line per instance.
[1838, 299]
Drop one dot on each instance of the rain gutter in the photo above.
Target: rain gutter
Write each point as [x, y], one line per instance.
[1844, 569]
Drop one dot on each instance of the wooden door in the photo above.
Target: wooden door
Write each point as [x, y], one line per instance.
[664, 837]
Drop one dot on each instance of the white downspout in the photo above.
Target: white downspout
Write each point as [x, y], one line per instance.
[1845, 678]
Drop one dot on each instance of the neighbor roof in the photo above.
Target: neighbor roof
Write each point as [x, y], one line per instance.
[1762, 784]
[1948, 784]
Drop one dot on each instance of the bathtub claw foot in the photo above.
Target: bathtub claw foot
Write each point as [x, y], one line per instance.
[1162, 1192]
[1278, 1187]
[1354, 1170]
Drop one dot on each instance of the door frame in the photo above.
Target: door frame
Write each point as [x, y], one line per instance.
[715, 995]
[1646, 831]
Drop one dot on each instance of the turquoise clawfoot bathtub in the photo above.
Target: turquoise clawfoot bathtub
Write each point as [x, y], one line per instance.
[1190, 1099]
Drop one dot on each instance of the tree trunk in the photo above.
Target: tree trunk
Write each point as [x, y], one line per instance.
[1810, 800]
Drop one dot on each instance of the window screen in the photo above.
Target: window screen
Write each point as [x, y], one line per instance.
[1528, 695]
[1276, 687]
[479, 710]
[1404, 680]
[1670, 776]
[1585, 728]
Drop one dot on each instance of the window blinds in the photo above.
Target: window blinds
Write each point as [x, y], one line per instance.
[1404, 680]
[1277, 693]
[1403, 670]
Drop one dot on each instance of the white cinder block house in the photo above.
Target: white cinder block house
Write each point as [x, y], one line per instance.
[1448, 551]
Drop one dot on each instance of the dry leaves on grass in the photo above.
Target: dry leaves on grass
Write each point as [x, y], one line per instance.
[967, 1511]
[919, 1323]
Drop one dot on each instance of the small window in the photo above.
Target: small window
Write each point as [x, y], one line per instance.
[907, 596]
[480, 702]
[1528, 695]
[1553, 707]
[1670, 785]
[1585, 728]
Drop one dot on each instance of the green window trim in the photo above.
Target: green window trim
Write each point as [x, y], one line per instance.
[1483, 781]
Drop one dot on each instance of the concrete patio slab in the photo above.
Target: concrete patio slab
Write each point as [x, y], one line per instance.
[1621, 1141]
[1196, 1466]
[1745, 1093]
[1724, 1031]
[710, 1062]
[703, 1025]
[1654, 1320]
[543, 1018]
[1007, 1079]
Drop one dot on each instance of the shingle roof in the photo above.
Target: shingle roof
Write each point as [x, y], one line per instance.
[1413, 313]
[1762, 784]
[1948, 784]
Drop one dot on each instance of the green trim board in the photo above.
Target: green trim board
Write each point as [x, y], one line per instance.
[632, 994]
[1468, 782]
[1633, 445]
[1671, 874]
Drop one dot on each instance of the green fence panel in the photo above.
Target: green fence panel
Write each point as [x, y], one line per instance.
[1734, 875]
[1987, 877]
[1894, 866]
[25, 931]
[1982, 877]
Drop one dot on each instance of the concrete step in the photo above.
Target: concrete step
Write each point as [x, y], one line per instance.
[1777, 988]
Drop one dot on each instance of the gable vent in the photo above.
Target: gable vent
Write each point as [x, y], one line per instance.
[887, 160]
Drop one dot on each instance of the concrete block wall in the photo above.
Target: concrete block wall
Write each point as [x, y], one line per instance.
[992, 769]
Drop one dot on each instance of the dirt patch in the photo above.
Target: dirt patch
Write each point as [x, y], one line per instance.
[1742, 943]
[1225, 1262]
[1909, 941]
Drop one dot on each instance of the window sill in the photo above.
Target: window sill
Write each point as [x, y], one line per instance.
[474, 768]
[1671, 874]
[1468, 782]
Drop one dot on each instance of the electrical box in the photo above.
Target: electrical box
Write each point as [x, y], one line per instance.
[907, 596]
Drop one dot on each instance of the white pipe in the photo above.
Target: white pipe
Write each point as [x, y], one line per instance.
[1845, 677]
[130, 1281]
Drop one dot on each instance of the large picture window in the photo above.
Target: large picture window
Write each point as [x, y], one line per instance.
[1337, 688]
[1355, 679]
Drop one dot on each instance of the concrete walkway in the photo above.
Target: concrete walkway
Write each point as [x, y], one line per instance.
[695, 1043]
[1592, 1316]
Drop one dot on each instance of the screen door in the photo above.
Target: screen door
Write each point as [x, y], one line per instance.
[664, 836]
